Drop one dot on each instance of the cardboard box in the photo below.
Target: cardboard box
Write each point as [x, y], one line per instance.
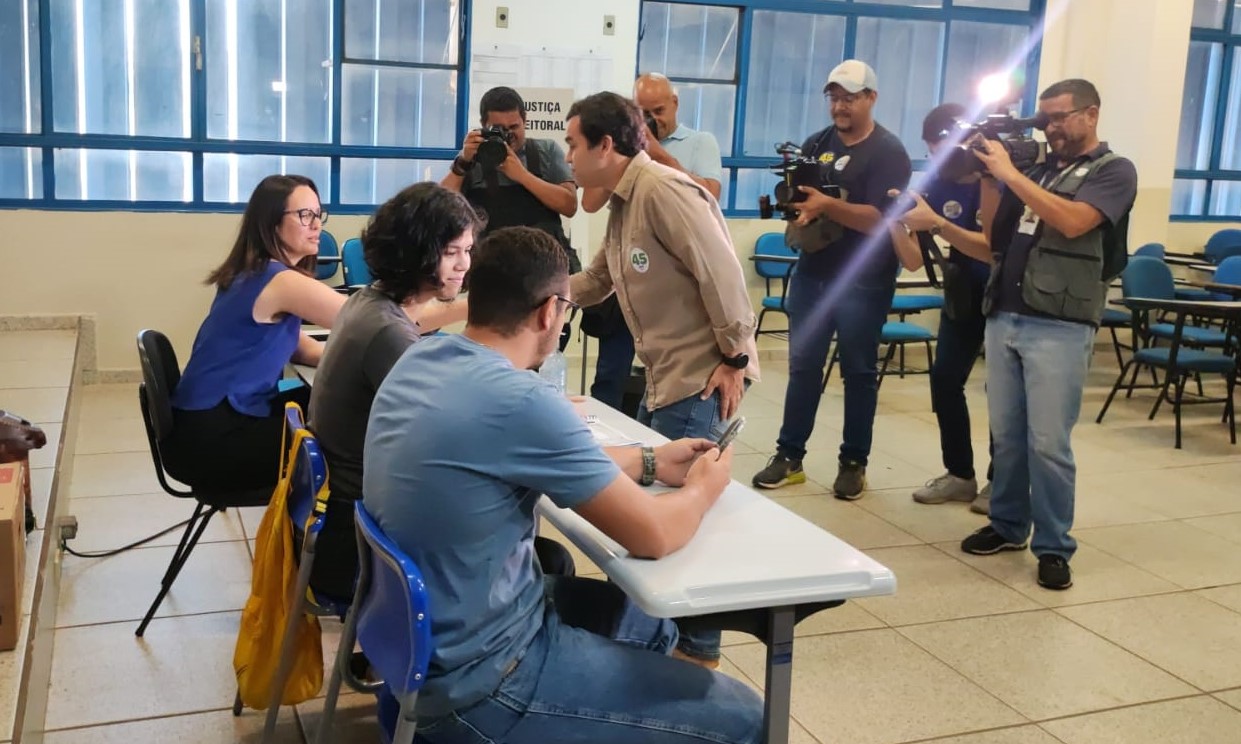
[13, 480]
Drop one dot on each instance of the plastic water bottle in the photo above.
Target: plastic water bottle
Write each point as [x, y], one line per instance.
[555, 370]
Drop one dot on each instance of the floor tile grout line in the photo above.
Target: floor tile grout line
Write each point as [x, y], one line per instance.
[992, 729]
[140, 719]
[130, 621]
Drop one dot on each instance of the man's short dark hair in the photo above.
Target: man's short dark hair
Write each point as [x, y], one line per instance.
[405, 238]
[514, 270]
[612, 115]
[501, 98]
[942, 119]
[1083, 91]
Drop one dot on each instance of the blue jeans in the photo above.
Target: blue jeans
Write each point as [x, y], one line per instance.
[575, 685]
[689, 417]
[1036, 369]
[955, 354]
[855, 315]
[613, 367]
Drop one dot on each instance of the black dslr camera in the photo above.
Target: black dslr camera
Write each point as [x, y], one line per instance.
[652, 125]
[1009, 131]
[494, 148]
[795, 170]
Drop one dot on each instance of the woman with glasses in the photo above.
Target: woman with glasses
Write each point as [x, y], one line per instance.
[228, 411]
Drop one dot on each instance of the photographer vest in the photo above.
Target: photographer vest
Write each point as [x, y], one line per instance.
[511, 205]
[1064, 278]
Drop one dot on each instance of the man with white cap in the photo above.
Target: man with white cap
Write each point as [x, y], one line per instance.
[844, 279]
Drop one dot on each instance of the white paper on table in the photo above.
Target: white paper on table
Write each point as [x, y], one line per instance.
[607, 436]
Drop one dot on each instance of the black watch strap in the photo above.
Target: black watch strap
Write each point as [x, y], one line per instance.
[461, 166]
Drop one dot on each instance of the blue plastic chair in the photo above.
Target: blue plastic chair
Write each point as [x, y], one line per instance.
[1228, 272]
[1151, 278]
[772, 244]
[329, 257]
[1153, 250]
[306, 506]
[357, 273]
[391, 619]
[1223, 244]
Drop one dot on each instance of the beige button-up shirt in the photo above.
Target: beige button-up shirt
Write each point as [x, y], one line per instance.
[668, 256]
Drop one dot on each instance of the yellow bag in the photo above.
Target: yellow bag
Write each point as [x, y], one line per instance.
[257, 656]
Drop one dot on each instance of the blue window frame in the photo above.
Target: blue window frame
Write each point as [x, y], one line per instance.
[186, 104]
[1207, 181]
[751, 72]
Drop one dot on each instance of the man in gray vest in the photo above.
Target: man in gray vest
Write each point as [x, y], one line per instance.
[1057, 235]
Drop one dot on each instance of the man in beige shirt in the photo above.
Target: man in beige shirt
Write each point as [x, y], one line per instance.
[668, 257]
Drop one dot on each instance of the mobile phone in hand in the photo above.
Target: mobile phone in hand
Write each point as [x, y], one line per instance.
[734, 428]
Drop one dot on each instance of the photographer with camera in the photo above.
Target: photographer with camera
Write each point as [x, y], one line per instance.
[1058, 236]
[844, 279]
[694, 153]
[514, 179]
[950, 210]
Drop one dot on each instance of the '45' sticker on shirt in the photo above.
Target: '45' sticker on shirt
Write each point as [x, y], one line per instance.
[639, 260]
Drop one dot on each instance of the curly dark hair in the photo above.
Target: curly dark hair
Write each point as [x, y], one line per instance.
[405, 238]
[257, 241]
[612, 115]
[514, 270]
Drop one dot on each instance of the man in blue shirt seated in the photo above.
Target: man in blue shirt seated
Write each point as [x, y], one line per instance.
[462, 440]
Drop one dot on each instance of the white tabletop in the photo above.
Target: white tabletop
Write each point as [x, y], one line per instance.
[749, 553]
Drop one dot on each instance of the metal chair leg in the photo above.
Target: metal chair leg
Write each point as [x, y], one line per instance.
[296, 604]
[1120, 379]
[197, 524]
[1176, 406]
[237, 705]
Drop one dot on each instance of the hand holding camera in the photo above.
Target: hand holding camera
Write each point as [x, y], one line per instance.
[469, 149]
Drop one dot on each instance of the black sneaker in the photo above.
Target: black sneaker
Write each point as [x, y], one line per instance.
[850, 480]
[1054, 572]
[780, 471]
[988, 542]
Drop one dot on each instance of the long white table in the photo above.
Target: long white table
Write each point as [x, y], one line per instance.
[753, 566]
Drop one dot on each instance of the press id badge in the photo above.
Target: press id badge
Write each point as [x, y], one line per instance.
[1029, 222]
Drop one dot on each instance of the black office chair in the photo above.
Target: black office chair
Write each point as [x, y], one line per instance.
[160, 375]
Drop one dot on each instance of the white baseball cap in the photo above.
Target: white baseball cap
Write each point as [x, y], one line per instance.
[853, 75]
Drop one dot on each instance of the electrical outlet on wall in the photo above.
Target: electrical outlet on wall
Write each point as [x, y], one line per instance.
[609, 25]
[501, 17]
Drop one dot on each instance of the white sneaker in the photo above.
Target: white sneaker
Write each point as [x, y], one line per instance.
[982, 504]
[947, 487]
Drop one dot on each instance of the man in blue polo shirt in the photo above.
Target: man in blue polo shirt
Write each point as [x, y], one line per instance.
[951, 211]
[694, 153]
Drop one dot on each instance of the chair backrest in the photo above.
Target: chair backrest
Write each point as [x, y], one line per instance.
[772, 244]
[354, 265]
[1223, 244]
[1228, 271]
[309, 473]
[393, 616]
[160, 375]
[1153, 250]
[328, 248]
[1147, 277]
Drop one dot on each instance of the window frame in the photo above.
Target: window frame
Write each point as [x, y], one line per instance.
[1213, 174]
[48, 141]
[851, 11]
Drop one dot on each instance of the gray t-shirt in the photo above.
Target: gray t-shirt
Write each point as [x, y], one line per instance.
[459, 447]
[552, 165]
[370, 333]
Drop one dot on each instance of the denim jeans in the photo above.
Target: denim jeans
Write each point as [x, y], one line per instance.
[1036, 369]
[855, 315]
[613, 366]
[576, 685]
[959, 343]
[689, 417]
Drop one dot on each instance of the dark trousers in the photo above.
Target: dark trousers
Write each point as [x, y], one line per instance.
[221, 449]
[960, 340]
[854, 311]
[612, 368]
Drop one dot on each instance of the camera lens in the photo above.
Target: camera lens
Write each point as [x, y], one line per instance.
[652, 125]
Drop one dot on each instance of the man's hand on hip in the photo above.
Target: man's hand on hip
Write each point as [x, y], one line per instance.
[730, 383]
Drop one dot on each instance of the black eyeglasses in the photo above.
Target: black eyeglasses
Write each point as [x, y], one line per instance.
[570, 304]
[308, 216]
[1060, 117]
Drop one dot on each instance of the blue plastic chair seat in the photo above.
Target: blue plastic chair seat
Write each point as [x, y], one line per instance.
[773, 303]
[911, 303]
[1191, 334]
[1115, 317]
[1192, 294]
[902, 333]
[1191, 360]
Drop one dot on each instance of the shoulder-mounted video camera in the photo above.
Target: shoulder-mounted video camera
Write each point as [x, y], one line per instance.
[796, 169]
[1008, 130]
[494, 148]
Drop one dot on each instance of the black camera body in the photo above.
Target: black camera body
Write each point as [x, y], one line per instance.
[493, 150]
[652, 125]
[1025, 151]
[795, 169]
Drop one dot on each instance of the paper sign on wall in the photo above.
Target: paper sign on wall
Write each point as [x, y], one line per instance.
[545, 111]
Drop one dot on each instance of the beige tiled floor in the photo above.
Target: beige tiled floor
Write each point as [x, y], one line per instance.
[1145, 648]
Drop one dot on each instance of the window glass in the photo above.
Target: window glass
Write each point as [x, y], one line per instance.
[20, 108]
[1189, 197]
[374, 181]
[1209, 13]
[123, 175]
[708, 108]
[21, 173]
[905, 55]
[690, 41]
[976, 50]
[230, 178]
[1202, 77]
[398, 106]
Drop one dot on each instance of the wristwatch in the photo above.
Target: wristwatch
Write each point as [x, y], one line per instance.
[461, 166]
[648, 466]
[741, 361]
[936, 228]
